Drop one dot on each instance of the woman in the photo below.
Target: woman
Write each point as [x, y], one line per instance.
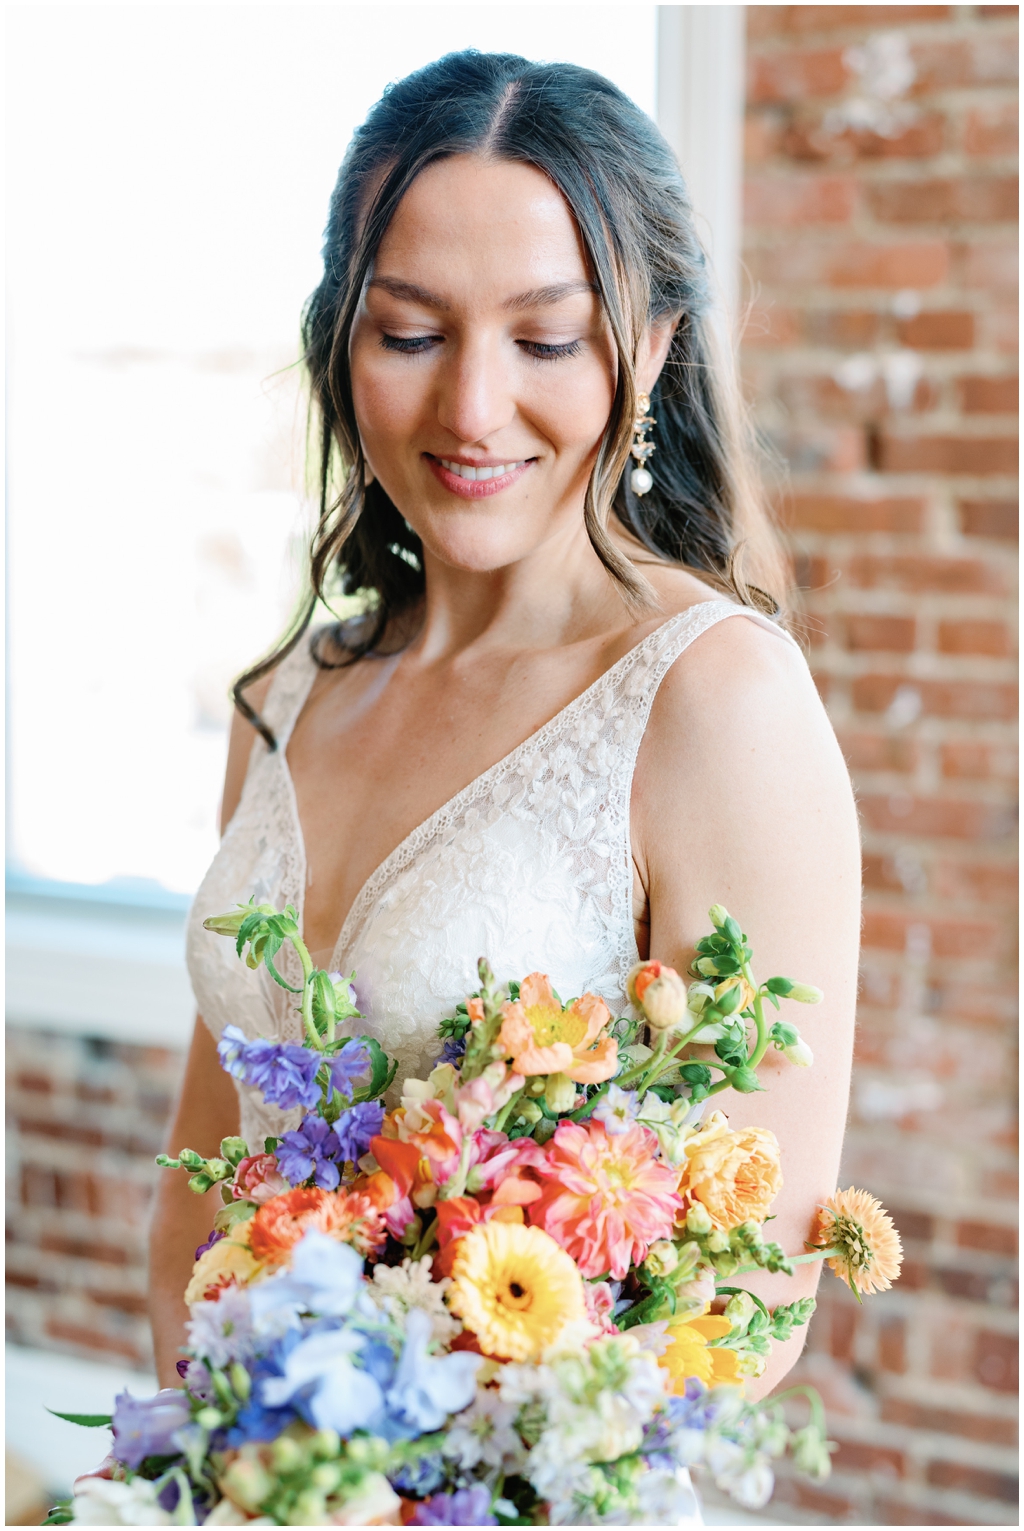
[543, 741]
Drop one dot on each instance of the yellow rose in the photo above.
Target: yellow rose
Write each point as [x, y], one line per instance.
[735, 1176]
[222, 1263]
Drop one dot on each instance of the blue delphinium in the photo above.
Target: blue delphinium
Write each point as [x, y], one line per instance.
[356, 1126]
[145, 1427]
[284, 1073]
[453, 1051]
[428, 1388]
[313, 1149]
[466, 1507]
[419, 1478]
[346, 1068]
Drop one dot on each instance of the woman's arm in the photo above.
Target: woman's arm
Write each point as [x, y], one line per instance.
[742, 798]
[207, 1111]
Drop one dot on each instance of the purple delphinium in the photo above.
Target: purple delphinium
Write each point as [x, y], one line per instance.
[144, 1427]
[466, 1507]
[215, 1238]
[347, 1067]
[357, 1126]
[284, 1073]
[453, 1051]
[313, 1149]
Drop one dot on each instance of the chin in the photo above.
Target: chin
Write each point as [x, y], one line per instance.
[479, 549]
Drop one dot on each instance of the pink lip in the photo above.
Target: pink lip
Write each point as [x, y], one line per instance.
[475, 489]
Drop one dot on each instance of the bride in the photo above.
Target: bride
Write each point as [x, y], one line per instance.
[545, 739]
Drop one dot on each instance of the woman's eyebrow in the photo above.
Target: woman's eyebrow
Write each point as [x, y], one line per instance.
[537, 297]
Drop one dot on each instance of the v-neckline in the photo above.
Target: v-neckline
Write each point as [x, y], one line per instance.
[427, 826]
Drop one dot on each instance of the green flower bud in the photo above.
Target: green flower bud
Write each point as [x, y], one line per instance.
[810, 1452]
[806, 993]
[688, 1256]
[286, 1454]
[209, 1418]
[241, 1382]
[228, 924]
[718, 916]
[325, 1445]
[749, 1364]
[799, 1053]
[219, 1169]
[662, 1258]
[530, 1112]
[717, 1240]
[536, 1086]
[326, 1476]
[740, 1309]
[200, 1183]
[745, 1081]
[234, 1150]
[707, 966]
[698, 1220]
[559, 1093]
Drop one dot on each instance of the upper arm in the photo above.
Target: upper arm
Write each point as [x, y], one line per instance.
[742, 798]
[240, 742]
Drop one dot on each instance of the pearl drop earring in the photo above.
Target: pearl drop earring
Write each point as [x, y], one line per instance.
[640, 480]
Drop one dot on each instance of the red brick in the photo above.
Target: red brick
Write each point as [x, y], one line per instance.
[84, 1249]
[896, 1513]
[998, 12]
[935, 818]
[92, 1339]
[950, 938]
[865, 1456]
[973, 1480]
[974, 60]
[881, 874]
[880, 752]
[37, 1084]
[990, 518]
[991, 882]
[919, 1226]
[844, 513]
[842, 327]
[976, 637]
[778, 20]
[996, 1238]
[974, 760]
[797, 201]
[989, 395]
[944, 699]
[977, 456]
[991, 266]
[992, 129]
[795, 75]
[808, 142]
[937, 331]
[957, 576]
[923, 264]
[770, 324]
[970, 199]
[892, 1344]
[995, 1361]
[896, 634]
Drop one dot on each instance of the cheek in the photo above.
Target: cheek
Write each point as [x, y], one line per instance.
[577, 412]
[388, 402]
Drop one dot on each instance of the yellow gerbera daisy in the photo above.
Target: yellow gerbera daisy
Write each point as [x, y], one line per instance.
[868, 1249]
[688, 1354]
[515, 1288]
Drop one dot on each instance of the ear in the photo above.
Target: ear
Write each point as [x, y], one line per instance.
[654, 349]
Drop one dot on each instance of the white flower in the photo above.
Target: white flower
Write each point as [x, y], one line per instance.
[221, 1332]
[374, 1503]
[484, 1433]
[666, 1499]
[671, 1123]
[397, 1289]
[102, 1502]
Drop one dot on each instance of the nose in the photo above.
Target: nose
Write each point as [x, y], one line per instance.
[475, 396]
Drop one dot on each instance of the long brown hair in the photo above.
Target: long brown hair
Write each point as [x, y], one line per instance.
[621, 181]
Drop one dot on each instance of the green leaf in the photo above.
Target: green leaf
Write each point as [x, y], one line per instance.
[61, 1515]
[733, 931]
[90, 1421]
[779, 986]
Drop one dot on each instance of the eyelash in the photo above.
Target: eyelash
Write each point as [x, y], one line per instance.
[535, 348]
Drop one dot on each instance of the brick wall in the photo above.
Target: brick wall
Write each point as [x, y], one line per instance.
[84, 1120]
[880, 356]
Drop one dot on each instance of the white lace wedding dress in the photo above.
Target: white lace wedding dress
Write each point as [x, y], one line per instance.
[529, 865]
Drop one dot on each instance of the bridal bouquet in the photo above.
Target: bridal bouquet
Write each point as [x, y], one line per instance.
[513, 1299]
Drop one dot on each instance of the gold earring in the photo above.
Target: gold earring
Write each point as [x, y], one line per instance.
[640, 480]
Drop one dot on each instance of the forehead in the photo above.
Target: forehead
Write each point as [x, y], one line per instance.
[470, 222]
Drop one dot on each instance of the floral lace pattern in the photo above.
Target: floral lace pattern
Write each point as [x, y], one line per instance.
[529, 864]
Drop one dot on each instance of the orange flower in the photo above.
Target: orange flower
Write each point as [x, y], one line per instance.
[606, 1198]
[734, 1175]
[349, 1217]
[869, 1250]
[542, 1038]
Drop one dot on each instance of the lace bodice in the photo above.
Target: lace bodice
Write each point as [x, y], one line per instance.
[529, 865]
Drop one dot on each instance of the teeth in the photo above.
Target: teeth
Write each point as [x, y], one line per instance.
[478, 475]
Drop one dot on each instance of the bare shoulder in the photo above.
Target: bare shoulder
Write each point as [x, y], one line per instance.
[240, 742]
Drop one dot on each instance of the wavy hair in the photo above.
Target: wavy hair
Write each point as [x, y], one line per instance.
[623, 186]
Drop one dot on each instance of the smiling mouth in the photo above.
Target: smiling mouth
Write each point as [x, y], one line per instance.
[481, 475]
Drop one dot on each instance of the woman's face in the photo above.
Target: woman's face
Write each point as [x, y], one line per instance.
[483, 369]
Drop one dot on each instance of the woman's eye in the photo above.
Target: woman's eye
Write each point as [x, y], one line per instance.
[550, 353]
[408, 346]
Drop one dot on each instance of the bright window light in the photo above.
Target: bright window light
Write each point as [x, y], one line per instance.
[168, 185]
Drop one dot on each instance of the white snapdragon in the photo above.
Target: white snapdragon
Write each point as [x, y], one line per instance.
[104, 1502]
[485, 1433]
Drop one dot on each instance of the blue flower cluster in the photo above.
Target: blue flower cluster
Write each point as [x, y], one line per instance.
[285, 1073]
[318, 1149]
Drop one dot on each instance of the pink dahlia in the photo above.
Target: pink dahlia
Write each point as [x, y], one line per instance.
[605, 1199]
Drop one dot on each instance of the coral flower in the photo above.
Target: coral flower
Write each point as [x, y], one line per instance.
[514, 1289]
[870, 1252]
[606, 1198]
[542, 1038]
[734, 1175]
[347, 1216]
[688, 1354]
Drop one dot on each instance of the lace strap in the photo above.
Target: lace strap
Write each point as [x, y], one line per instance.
[664, 646]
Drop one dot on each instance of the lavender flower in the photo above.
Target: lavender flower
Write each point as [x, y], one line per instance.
[215, 1238]
[454, 1051]
[616, 1110]
[466, 1507]
[314, 1149]
[357, 1126]
[347, 1067]
[145, 1427]
[284, 1073]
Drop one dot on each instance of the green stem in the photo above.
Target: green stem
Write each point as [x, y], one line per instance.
[818, 1254]
[307, 992]
[425, 1240]
[813, 1398]
[506, 1111]
[761, 1046]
